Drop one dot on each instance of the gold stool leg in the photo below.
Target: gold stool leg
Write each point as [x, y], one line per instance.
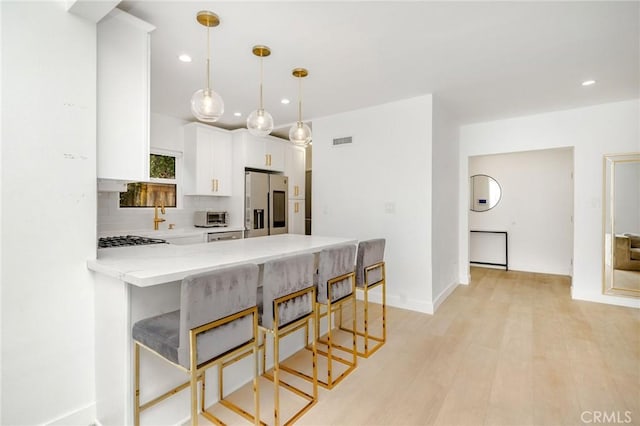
[136, 393]
[354, 336]
[366, 319]
[276, 378]
[314, 360]
[193, 378]
[384, 310]
[329, 344]
[256, 388]
[264, 352]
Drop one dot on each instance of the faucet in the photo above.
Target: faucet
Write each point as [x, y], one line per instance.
[157, 220]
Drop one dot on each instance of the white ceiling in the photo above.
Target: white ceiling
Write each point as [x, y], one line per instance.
[483, 60]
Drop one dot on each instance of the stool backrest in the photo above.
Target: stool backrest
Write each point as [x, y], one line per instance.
[282, 277]
[370, 252]
[332, 263]
[211, 296]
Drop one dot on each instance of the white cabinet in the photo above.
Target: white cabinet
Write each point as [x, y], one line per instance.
[265, 153]
[123, 97]
[207, 160]
[295, 168]
[296, 216]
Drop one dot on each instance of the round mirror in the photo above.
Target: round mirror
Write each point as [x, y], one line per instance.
[485, 193]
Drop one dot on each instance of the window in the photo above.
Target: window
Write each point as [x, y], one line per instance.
[161, 188]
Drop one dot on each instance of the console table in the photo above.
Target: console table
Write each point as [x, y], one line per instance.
[506, 249]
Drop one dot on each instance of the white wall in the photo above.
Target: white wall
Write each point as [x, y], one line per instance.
[444, 221]
[48, 213]
[1, 221]
[592, 132]
[380, 186]
[535, 209]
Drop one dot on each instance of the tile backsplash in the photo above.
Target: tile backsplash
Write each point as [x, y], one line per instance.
[111, 218]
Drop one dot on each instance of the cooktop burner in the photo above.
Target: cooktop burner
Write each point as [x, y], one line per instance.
[127, 240]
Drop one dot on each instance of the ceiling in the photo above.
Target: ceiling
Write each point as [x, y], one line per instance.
[481, 60]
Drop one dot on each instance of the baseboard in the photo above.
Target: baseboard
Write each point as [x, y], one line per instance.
[444, 294]
[400, 302]
[85, 416]
[606, 299]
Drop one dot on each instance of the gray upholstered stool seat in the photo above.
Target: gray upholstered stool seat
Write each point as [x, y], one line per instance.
[370, 273]
[336, 288]
[216, 325]
[160, 333]
[287, 303]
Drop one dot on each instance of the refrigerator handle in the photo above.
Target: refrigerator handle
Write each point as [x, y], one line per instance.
[258, 219]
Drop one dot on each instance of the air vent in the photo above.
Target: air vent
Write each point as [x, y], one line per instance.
[342, 141]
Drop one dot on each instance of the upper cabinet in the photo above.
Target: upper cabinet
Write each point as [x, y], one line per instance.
[207, 160]
[295, 169]
[123, 97]
[266, 153]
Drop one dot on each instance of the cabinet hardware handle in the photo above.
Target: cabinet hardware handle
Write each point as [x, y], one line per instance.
[213, 185]
[296, 208]
[216, 185]
[266, 159]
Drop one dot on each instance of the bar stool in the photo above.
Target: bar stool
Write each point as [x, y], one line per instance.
[336, 287]
[217, 324]
[288, 303]
[370, 273]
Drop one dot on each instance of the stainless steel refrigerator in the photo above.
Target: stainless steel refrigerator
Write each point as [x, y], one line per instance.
[265, 204]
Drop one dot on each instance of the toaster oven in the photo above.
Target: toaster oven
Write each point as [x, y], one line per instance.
[210, 219]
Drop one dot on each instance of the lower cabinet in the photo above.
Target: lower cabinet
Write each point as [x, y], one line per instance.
[296, 216]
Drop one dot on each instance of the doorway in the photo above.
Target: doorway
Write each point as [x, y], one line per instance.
[535, 209]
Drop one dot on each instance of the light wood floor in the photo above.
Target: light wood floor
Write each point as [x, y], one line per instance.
[511, 348]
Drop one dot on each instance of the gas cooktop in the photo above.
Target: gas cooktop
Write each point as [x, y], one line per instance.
[128, 240]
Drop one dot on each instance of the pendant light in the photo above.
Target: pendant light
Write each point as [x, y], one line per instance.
[206, 104]
[300, 133]
[260, 122]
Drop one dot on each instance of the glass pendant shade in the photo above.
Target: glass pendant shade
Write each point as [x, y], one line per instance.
[207, 105]
[300, 134]
[260, 123]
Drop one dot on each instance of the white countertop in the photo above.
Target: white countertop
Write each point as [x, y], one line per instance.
[150, 265]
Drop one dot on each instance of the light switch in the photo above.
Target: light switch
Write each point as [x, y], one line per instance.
[389, 207]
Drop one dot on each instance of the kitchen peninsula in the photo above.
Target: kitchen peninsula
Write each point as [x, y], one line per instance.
[136, 282]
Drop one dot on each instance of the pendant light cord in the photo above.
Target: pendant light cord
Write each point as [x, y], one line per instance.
[299, 99]
[261, 63]
[208, 60]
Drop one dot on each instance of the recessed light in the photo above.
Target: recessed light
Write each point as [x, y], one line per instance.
[237, 114]
[184, 58]
[285, 101]
[588, 82]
